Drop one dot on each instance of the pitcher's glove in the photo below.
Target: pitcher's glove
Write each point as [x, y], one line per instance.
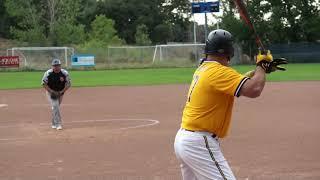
[269, 64]
[55, 95]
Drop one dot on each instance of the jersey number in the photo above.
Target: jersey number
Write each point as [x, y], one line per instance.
[195, 81]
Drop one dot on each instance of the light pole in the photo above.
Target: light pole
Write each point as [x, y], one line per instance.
[205, 24]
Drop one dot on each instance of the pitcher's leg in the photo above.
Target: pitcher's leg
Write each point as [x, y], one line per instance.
[56, 112]
[53, 123]
[60, 99]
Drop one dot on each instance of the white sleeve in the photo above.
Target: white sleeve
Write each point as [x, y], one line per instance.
[45, 78]
[68, 79]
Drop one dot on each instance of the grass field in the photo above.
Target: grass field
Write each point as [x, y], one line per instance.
[21, 80]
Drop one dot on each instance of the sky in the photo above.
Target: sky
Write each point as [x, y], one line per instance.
[200, 17]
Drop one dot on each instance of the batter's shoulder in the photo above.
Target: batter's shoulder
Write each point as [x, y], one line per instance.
[228, 69]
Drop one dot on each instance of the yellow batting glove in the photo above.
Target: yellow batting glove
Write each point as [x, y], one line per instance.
[264, 57]
[265, 61]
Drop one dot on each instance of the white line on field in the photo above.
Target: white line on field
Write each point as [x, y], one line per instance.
[3, 105]
[149, 122]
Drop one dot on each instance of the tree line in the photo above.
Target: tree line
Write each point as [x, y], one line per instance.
[92, 23]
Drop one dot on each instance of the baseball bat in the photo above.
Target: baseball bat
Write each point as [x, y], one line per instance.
[245, 16]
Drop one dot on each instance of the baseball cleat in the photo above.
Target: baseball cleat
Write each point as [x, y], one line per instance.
[53, 126]
[59, 127]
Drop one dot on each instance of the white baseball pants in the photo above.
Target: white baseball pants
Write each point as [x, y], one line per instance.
[200, 157]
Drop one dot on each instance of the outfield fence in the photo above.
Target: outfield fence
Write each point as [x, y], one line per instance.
[297, 52]
[169, 55]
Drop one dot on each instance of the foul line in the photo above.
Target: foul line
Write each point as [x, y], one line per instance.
[152, 123]
[3, 105]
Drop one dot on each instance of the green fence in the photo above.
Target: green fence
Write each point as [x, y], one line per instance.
[297, 52]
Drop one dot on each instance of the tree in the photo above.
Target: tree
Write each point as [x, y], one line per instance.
[102, 33]
[61, 17]
[69, 34]
[52, 22]
[87, 12]
[178, 13]
[29, 26]
[295, 20]
[289, 21]
[129, 14]
[309, 19]
[142, 35]
[5, 21]
[240, 31]
[162, 33]
[102, 29]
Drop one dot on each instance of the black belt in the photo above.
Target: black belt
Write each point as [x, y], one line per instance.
[213, 135]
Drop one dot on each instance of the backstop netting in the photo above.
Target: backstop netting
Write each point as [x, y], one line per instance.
[40, 58]
[185, 55]
[130, 56]
[178, 55]
[168, 55]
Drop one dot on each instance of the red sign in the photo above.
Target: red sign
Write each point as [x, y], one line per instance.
[9, 61]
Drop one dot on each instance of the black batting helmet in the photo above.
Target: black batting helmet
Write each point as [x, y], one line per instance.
[219, 42]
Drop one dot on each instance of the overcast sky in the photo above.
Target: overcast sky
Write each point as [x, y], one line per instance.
[200, 19]
[211, 20]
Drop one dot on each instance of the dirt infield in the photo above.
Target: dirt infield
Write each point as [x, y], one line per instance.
[127, 133]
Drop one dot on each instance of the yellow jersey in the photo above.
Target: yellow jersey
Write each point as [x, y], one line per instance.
[210, 98]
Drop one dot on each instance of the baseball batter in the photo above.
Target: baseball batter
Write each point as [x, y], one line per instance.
[207, 113]
[56, 81]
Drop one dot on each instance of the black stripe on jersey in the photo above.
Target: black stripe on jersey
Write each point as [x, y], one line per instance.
[240, 85]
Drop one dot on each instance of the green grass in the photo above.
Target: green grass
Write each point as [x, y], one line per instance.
[295, 72]
[22, 80]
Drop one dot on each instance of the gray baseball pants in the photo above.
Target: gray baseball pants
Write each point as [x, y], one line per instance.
[55, 106]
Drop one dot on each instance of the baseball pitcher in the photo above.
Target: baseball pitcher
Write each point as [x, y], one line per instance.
[56, 81]
[207, 113]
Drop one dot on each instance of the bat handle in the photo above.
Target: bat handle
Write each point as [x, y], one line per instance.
[260, 46]
[262, 50]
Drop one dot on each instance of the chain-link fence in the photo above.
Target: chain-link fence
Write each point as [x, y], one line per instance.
[297, 52]
[39, 58]
[170, 55]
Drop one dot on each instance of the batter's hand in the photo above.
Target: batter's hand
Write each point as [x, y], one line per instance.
[264, 60]
[275, 64]
[266, 56]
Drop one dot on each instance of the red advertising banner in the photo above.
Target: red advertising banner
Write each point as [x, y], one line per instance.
[9, 61]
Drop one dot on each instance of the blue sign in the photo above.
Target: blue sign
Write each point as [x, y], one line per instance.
[82, 60]
[205, 7]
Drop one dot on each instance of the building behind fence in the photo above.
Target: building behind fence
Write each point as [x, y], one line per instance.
[169, 55]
